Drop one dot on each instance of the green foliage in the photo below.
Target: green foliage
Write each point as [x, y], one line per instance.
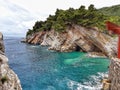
[4, 79]
[38, 25]
[90, 17]
[29, 32]
[58, 26]
[91, 8]
[111, 11]
[115, 19]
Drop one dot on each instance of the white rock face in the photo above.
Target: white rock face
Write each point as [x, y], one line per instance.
[75, 38]
[8, 79]
[114, 74]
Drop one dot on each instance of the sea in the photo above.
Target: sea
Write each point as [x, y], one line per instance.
[41, 69]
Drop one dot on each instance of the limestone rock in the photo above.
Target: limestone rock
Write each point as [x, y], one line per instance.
[75, 38]
[2, 49]
[106, 84]
[114, 74]
[8, 79]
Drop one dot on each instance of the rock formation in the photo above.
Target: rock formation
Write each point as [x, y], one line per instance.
[75, 38]
[113, 81]
[8, 79]
[114, 74]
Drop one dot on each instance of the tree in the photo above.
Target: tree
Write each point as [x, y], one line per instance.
[37, 26]
[91, 8]
[85, 17]
[29, 32]
[82, 8]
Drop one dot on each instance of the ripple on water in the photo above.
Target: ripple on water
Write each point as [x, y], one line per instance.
[40, 69]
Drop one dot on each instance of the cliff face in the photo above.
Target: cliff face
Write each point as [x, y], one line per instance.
[75, 38]
[8, 79]
[113, 81]
[114, 74]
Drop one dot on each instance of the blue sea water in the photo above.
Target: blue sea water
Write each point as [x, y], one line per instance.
[41, 69]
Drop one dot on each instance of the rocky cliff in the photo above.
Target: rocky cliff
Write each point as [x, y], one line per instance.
[113, 80]
[8, 79]
[75, 38]
[114, 74]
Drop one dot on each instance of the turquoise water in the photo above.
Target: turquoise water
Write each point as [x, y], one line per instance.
[41, 69]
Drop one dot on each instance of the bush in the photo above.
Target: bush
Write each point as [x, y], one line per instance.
[4, 79]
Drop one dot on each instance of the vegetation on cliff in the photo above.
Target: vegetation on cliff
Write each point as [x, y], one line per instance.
[112, 12]
[90, 17]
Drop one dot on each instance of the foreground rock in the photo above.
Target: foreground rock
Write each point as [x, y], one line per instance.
[114, 74]
[75, 38]
[113, 80]
[8, 79]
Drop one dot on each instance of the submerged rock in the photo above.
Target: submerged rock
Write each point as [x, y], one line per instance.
[23, 40]
[8, 79]
[75, 38]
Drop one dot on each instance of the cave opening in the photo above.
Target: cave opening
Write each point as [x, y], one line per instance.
[78, 48]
